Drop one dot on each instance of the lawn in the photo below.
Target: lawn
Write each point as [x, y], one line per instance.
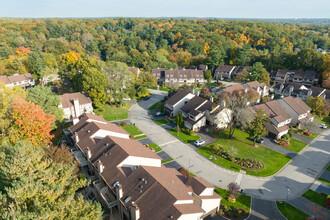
[133, 130]
[241, 146]
[328, 168]
[113, 113]
[295, 145]
[158, 105]
[324, 181]
[242, 201]
[161, 121]
[140, 137]
[184, 137]
[311, 137]
[291, 212]
[161, 88]
[155, 147]
[325, 120]
[167, 161]
[316, 198]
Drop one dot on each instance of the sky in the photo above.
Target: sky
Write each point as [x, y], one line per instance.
[167, 8]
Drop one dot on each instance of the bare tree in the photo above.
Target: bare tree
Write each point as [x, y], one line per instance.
[233, 189]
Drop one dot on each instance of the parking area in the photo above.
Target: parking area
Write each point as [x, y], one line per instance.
[163, 155]
[145, 141]
[173, 164]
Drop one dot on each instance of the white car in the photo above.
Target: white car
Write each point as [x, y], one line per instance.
[323, 126]
[199, 142]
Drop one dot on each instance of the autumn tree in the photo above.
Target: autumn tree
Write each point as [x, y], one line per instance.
[318, 105]
[36, 187]
[256, 127]
[233, 189]
[7, 97]
[30, 123]
[48, 101]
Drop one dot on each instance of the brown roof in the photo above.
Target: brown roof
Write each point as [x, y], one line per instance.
[16, 78]
[67, 99]
[273, 110]
[224, 68]
[198, 184]
[232, 88]
[255, 85]
[184, 74]
[192, 105]
[5, 79]
[297, 105]
[174, 99]
[240, 69]
[83, 121]
[158, 70]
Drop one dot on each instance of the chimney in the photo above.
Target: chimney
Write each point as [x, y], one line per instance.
[281, 88]
[100, 166]
[309, 92]
[135, 211]
[89, 153]
[223, 103]
[76, 137]
[193, 91]
[197, 93]
[76, 107]
[290, 90]
[75, 120]
[211, 98]
[119, 191]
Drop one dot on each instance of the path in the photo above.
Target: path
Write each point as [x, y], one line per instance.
[298, 175]
[310, 208]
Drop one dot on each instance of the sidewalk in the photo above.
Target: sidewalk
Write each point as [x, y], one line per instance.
[310, 208]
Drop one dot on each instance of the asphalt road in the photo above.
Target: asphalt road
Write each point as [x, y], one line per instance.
[291, 181]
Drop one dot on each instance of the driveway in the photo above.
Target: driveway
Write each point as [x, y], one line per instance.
[296, 175]
[301, 138]
[262, 209]
[269, 143]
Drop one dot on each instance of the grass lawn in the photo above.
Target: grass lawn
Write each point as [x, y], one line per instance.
[311, 137]
[241, 146]
[161, 121]
[324, 181]
[161, 88]
[295, 145]
[191, 174]
[155, 147]
[184, 137]
[291, 212]
[242, 201]
[113, 113]
[140, 137]
[132, 129]
[168, 160]
[325, 120]
[157, 105]
[316, 198]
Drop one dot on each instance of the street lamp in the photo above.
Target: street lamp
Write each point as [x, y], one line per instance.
[287, 196]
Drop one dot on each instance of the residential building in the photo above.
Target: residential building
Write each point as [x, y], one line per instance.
[24, 80]
[279, 118]
[225, 72]
[173, 105]
[178, 76]
[299, 111]
[299, 90]
[75, 104]
[130, 180]
[196, 112]
[134, 70]
[285, 76]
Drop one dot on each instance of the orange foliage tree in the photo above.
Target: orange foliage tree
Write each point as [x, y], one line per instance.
[23, 51]
[30, 123]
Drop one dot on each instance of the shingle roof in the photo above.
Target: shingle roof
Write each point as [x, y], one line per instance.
[224, 68]
[16, 78]
[179, 95]
[67, 99]
[297, 105]
[273, 110]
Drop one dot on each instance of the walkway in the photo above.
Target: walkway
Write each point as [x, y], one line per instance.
[298, 175]
[310, 208]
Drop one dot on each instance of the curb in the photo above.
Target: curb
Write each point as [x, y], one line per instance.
[280, 211]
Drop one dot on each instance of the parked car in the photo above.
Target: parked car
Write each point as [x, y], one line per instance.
[147, 97]
[159, 113]
[323, 126]
[260, 141]
[199, 142]
[127, 99]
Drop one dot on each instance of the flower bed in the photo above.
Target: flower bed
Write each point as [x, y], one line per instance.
[307, 133]
[249, 163]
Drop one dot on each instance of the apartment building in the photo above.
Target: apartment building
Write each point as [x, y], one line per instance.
[24, 80]
[225, 72]
[299, 90]
[178, 76]
[75, 104]
[130, 180]
[305, 77]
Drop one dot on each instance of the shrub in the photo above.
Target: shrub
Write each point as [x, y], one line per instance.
[216, 148]
[287, 136]
[184, 172]
[233, 189]
[192, 133]
[231, 199]
[131, 137]
[123, 123]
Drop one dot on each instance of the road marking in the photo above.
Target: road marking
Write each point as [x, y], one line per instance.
[168, 143]
[239, 179]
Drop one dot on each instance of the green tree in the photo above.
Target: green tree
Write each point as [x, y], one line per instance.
[35, 187]
[257, 128]
[48, 101]
[208, 74]
[36, 61]
[318, 105]
[259, 73]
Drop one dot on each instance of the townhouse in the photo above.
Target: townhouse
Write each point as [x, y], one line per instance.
[130, 180]
[279, 118]
[299, 90]
[173, 105]
[75, 104]
[305, 77]
[299, 111]
[178, 76]
[225, 72]
[24, 80]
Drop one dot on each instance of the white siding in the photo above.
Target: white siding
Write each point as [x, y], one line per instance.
[196, 216]
[102, 133]
[132, 161]
[210, 204]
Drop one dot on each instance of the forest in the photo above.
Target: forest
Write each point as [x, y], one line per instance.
[88, 51]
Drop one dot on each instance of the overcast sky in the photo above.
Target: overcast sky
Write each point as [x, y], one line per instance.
[167, 8]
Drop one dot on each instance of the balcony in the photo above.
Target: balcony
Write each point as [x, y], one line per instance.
[102, 189]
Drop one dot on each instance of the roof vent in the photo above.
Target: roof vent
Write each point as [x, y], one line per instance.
[141, 186]
[107, 144]
[145, 182]
[171, 216]
[89, 131]
[172, 181]
[140, 191]
[142, 179]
